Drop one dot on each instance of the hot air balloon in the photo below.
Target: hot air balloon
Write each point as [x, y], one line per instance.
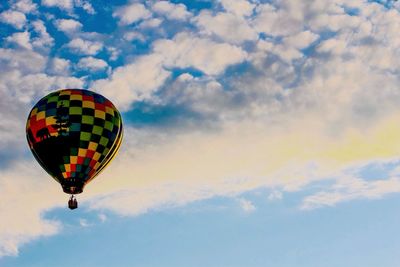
[74, 134]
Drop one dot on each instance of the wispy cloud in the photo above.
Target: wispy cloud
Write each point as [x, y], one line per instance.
[84, 223]
[246, 205]
[102, 217]
[350, 188]
[275, 195]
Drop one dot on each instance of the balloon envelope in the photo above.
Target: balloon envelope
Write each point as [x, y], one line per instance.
[74, 134]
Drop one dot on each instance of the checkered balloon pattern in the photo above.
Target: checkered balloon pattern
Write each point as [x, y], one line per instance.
[74, 134]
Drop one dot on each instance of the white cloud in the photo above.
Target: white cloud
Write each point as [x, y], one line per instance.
[334, 22]
[300, 40]
[276, 22]
[68, 26]
[114, 53]
[229, 27]
[182, 52]
[28, 85]
[180, 168]
[238, 7]
[275, 195]
[84, 223]
[102, 217]
[85, 47]
[246, 205]
[15, 18]
[136, 81]
[334, 46]
[338, 98]
[130, 36]
[24, 61]
[171, 11]
[204, 95]
[43, 40]
[185, 77]
[186, 50]
[151, 23]
[349, 188]
[62, 4]
[92, 64]
[22, 82]
[25, 6]
[285, 52]
[22, 39]
[27, 206]
[85, 5]
[69, 5]
[22, 72]
[131, 13]
[60, 66]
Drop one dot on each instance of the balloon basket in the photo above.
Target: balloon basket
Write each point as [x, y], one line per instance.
[72, 203]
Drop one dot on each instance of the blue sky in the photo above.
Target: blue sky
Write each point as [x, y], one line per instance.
[257, 133]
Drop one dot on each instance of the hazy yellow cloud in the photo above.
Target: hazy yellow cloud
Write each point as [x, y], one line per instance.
[243, 156]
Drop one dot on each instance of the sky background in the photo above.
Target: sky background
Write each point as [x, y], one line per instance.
[257, 133]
